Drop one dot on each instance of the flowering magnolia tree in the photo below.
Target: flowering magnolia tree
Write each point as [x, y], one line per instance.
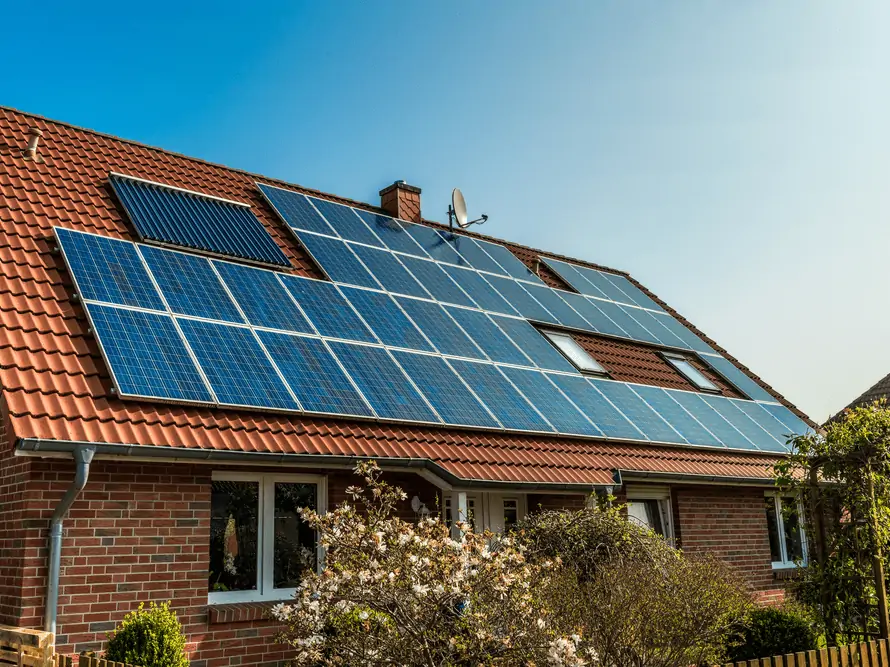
[398, 593]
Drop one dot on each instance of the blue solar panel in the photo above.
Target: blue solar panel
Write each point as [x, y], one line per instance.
[767, 422]
[738, 379]
[501, 397]
[337, 260]
[633, 407]
[383, 383]
[346, 222]
[561, 311]
[489, 337]
[440, 328]
[483, 294]
[190, 285]
[533, 344]
[434, 245]
[761, 439]
[508, 261]
[793, 423]
[601, 282]
[295, 209]
[599, 321]
[691, 341]
[712, 420]
[660, 400]
[572, 276]
[438, 283]
[636, 295]
[550, 402]
[444, 389]
[108, 270]
[393, 233]
[188, 219]
[622, 317]
[146, 355]
[655, 325]
[327, 309]
[521, 300]
[263, 298]
[386, 319]
[389, 272]
[473, 255]
[593, 404]
[236, 366]
[315, 377]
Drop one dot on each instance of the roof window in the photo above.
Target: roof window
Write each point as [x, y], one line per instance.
[575, 353]
[691, 373]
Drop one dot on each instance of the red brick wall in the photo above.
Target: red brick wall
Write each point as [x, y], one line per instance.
[138, 532]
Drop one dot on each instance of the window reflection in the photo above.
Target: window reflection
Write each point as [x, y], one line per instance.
[234, 512]
[295, 541]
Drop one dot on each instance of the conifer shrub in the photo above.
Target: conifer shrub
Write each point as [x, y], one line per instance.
[150, 637]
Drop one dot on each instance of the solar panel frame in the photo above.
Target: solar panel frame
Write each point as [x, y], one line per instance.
[386, 319]
[496, 345]
[565, 417]
[512, 265]
[392, 232]
[516, 295]
[337, 261]
[152, 328]
[621, 316]
[711, 419]
[792, 422]
[295, 209]
[571, 275]
[472, 253]
[691, 340]
[638, 296]
[479, 290]
[533, 344]
[680, 419]
[640, 413]
[455, 402]
[346, 222]
[737, 378]
[654, 325]
[446, 335]
[599, 321]
[563, 313]
[611, 422]
[434, 245]
[389, 271]
[765, 420]
[436, 281]
[327, 309]
[762, 439]
[84, 253]
[600, 280]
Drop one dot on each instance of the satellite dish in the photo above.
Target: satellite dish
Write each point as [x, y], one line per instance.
[457, 212]
[459, 205]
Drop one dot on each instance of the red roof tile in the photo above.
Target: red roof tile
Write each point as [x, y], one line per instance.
[56, 387]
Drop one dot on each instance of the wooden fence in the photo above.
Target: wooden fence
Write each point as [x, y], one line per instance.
[25, 648]
[866, 654]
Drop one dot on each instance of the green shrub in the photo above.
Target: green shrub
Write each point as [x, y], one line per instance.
[774, 631]
[148, 638]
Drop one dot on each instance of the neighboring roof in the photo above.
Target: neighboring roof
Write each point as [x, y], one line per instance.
[879, 390]
[56, 387]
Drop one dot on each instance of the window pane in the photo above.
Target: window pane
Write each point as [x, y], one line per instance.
[471, 511]
[575, 353]
[772, 523]
[793, 541]
[511, 513]
[295, 543]
[647, 513]
[691, 373]
[234, 509]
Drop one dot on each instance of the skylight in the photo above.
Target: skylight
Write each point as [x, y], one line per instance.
[575, 353]
[691, 373]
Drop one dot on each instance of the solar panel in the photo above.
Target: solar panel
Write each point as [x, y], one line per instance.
[761, 439]
[685, 424]
[327, 309]
[440, 328]
[593, 404]
[296, 211]
[433, 244]
[637, 296]
[392, 232]
[389, 272]
[263, 298]
[561, 311]
[438, 283]
[501, 397]
[345, 222]
[599, 321]
[511, 264]
[474, 256]
[636, 410]
[337, 260]
[315, 377]
[386, 319]
[483, 294]
[622, 316]
[489, 337]
[737, 378]
[550, 402]
[383, 383]
[108, 270]
[238, 370]
[522, 301]
[190, 285]
[146, 355]
[766, 421]
[451, 398]
[533, 344]
[655, 326]
[691, 341]
[193, 220]
[601, 282]
[712, 420]
[792, 422]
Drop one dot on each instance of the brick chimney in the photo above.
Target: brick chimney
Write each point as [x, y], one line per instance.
[401, 200]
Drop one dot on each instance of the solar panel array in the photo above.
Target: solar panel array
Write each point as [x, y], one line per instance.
[184, 328]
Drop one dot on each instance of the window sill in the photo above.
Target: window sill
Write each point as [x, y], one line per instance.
[239, 612]
[787, 573]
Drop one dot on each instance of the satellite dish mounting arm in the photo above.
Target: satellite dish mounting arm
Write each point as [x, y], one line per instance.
[457, 211]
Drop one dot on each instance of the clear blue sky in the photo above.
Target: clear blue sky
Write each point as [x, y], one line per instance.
[733, 156]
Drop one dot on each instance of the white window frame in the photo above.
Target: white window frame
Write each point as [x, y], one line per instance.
[488, 508]
[675, 360]
[595, 367]
[662, 495]
[265, 590]
[780, 527]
